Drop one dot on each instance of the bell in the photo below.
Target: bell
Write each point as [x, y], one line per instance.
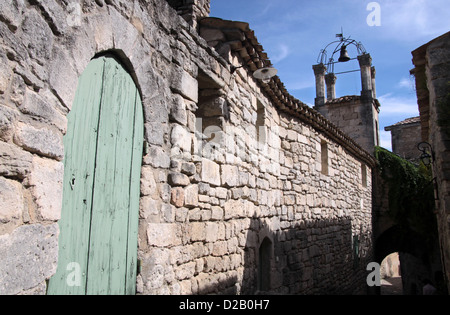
[344, 54]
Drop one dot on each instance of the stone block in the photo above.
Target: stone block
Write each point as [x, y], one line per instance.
[178, 179]
[154, 133]
[216, 213]
[230, 175]
[212, 34]
[11, 200]
[163, 235]
[44, 108]
[7, 120]
[212, 230]
[210, 172]
[29, 257]
[177, 197]
[149, 207]
[178, 111]
[46, 180]
[198, 231]
[212, 107]
[181, 138]
[184, 84]
[14, 162]
[188, 169]
[45, 141]
[63, 77]
[191, 196]
[157, 157]
[148, 182]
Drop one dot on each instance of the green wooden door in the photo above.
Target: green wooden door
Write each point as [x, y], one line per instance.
[103, 154]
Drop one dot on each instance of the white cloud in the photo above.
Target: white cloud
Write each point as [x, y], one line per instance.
[414, 19]
[386, 139]
[406, 83]
[398, 105]
[282, 52]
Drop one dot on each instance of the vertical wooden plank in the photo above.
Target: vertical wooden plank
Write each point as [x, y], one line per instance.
[110, 209]
[135, 186]
[80, 145]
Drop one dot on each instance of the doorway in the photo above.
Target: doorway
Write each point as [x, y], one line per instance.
[101, 189]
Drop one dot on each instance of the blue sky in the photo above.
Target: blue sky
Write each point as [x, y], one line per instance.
[293, 32]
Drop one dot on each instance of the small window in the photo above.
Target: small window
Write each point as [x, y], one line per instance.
[260, 124]
[264, 266]
[324, 156]
[364, 175]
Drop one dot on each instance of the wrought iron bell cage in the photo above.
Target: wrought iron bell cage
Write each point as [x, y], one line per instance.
[340, 47]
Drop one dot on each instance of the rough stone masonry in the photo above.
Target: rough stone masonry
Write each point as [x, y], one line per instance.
[239, 193]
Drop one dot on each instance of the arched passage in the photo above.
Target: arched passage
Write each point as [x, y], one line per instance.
[415, 254]
[101, 188]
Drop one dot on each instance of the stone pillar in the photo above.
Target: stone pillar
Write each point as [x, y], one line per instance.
[374, 90]
[365, 62]
[319, 72]
[330, 80]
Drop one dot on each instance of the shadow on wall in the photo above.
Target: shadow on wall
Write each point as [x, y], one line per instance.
[318, 257]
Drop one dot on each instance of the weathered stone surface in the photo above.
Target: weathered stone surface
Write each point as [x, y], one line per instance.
[11, 200]
[38, 36]
[14, 162]
[178, 179]
[157, 157]
[185, 84]
[44, 108]
[210, 172]
[197, 231]
[203, 215]
[63, 77]
[11, 13]
[230, 175]
[46, 181]
[44, 141]
[178, 110]
[162, 235]
[181, 138]
[188, 169]
[177, 198]
[191, 196]
[8, 117]
[29, 257]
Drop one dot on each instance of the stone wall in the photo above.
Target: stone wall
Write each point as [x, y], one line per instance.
[406, 136]
[432, 64]
[224, 170]
[356, 116]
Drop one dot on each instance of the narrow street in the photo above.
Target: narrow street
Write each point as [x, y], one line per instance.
[392, 286]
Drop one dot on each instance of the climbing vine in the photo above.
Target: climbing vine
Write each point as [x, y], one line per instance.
[443, 109]
[411, 193]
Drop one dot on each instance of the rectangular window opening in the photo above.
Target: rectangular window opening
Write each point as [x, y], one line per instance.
[324, 157]
[364, 175]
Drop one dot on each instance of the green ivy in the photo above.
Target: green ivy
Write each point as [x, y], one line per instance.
[411, 193]
[443, 109]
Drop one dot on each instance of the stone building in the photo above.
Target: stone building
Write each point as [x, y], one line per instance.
[138, 155]
[432, 74]
[406, 135]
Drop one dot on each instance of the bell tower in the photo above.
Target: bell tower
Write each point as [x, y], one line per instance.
[356, 115]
